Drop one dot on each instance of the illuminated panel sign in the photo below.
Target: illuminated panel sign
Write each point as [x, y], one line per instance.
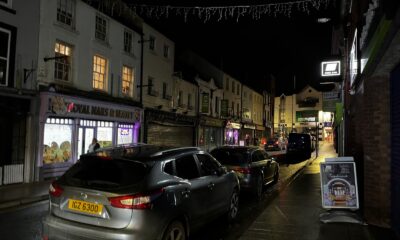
[331, 68]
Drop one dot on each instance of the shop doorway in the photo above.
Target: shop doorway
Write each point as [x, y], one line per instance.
[85, 136]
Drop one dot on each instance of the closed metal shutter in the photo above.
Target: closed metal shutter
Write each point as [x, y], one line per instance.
[173, 135]
[395, 146]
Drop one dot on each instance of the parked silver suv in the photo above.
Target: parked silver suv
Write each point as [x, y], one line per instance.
[140, 192]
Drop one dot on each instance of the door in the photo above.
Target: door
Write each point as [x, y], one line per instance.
[85, 137]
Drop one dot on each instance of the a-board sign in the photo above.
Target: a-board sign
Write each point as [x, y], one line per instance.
[339, 184]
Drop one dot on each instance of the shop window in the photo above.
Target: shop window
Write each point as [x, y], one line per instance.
[125, 133]
[105, 133]
[57, 140]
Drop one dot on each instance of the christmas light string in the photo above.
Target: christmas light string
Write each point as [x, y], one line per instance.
[226, 12]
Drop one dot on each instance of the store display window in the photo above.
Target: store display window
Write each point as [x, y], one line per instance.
[125, 133]
[57, 140]
[105, 133]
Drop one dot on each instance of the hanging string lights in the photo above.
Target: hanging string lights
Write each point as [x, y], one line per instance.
[206, 13]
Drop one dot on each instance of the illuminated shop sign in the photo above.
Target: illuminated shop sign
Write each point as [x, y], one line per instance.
[353, 59]
[73, 107]
[331, 68]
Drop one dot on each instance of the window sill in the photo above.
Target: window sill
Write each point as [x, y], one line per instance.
[7, 9]
[132, 55]
[103, 43]
[68, 28]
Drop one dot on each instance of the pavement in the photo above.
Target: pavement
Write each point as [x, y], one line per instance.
[293, 214]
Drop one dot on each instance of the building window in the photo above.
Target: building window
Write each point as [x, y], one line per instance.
[237, 109]
[127, 41]
[217, 105]
[99, 72]
[227, 84]
[166, 51]
[189, 100]
[152, 43]
[66, 12]
[238, 90]
[180, 98]
[233, 87]
[62, 62]
[164, 90]
[5, 41]
[127, 81]
[150, 82]
[101, 28]
[233, 109]
[6, 3]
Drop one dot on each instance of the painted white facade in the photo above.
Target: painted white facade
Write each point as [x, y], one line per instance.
[232, 93]
[247, 104]
[81, 38]
[210, 90]
[158, 67]
[187, 91]
[257, 108]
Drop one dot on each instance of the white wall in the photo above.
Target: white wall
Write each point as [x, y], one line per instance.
[85, 46]
[232, 97]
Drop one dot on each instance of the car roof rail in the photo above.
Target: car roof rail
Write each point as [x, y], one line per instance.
[176, 150]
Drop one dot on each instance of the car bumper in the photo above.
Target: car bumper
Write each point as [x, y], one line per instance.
[59, 229]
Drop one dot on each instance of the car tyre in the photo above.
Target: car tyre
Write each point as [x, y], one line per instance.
[233, 206]
[175, 231]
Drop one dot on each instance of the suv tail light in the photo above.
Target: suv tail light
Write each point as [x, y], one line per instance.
[244, 170]
[55, 190]
[136, 201]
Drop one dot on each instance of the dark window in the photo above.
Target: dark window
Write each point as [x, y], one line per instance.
[164, 90]
[208, 165]
[152, 43]
[186, 167]
[231, 156]
[5, 38]
[168, 168]
[101, 28]
[66, 12]
[127, 41]
[149, 85]
[99, 173]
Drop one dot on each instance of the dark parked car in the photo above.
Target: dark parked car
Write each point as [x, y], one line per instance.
[253, 166]
[141, 192]
[299, 147]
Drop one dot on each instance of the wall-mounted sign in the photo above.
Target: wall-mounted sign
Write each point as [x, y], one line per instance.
[307, 116]
[339, 183]
[353, 59]
[331, 68]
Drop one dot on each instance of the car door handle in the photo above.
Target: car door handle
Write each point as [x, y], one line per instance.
[211, 186]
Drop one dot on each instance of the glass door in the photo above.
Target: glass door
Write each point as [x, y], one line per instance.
[86, 135]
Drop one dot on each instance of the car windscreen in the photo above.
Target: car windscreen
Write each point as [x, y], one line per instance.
[231, 156]
[105, 173]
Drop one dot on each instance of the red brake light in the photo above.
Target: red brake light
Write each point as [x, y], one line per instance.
[243, 170]
[136, 201]
[55, 190]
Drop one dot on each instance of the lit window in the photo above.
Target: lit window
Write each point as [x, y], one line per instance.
[101, 28]
[127, 80]
[127, 41]
[99, 72]
[62, 62]
[66, 12]
[5, 41]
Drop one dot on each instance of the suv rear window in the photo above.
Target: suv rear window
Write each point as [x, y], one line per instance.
[231, 156]
[100, 173]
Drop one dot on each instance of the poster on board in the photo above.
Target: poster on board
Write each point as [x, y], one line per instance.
[339, 185]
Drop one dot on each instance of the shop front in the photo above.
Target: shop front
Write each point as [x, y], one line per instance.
[68, 124]
[232, 131]
[169, 128]
[210, 133]
[247, 134]
[259, 135]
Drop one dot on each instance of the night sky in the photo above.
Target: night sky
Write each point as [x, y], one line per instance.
[251, 50]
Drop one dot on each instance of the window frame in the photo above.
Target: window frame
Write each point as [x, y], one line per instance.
[128, 41]
[105, 74]
[152, 43]
[166, 51]
[130, 82]
[67, 4]
[7, 58]
[63, 62]
[99, 30]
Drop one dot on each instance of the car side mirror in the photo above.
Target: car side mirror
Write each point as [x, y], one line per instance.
[221, 170]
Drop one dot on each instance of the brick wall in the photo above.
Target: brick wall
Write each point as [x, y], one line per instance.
[375, 124]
